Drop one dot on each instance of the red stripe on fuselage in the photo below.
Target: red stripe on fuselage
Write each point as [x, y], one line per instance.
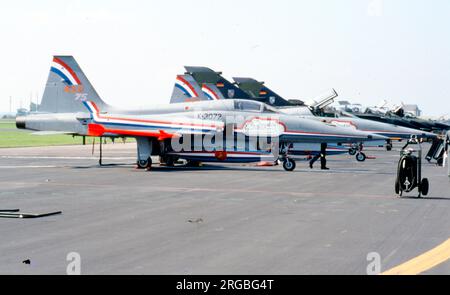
[99, 130]
[148, 121]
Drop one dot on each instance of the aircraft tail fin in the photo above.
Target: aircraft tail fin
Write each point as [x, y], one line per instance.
[197, 85]
[186, 89]
[258, 90]
[211, 91]
[206, 76]
[67, 87]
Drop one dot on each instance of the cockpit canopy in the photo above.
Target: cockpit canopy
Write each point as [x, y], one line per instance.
[252, 106]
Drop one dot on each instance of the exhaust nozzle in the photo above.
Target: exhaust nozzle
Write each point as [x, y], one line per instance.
[20, 123]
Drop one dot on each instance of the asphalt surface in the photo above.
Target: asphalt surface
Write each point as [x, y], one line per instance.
[216, 219]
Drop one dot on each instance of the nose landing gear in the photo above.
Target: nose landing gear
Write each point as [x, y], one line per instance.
[288, 163]
[356, 149]
[360, 157]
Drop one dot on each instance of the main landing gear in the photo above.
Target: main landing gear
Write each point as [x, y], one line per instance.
[144, 153]
[145, 164]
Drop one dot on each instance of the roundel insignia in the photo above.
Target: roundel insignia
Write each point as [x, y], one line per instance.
[220, 155]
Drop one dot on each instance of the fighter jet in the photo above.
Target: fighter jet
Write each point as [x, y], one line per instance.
[219, 88]
[200, 83]
[207, 131]
[399, 117]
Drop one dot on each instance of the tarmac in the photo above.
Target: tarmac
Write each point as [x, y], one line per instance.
[215, 219]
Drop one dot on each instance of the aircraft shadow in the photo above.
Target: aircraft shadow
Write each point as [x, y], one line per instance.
[425, 198]
[182, 168]
[207, 167]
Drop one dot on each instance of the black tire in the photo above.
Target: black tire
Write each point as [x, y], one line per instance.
[149, 164]
[352, 152]
[389, 147]
[360, 157]
[191, 163]
[424, 186]
[168, 161]
[289, 165]
[397, 187]
[142, 164]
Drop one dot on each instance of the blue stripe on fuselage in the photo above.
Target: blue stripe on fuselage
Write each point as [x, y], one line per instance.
[144, 126]
[395, 135]
[313, 153]
[153, 126]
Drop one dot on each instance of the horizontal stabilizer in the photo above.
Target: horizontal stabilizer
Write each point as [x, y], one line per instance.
[53, 133]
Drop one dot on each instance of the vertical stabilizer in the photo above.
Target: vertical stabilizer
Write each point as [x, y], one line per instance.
[67, 87]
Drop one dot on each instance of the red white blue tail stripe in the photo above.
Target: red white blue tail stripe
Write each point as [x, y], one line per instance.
[210, 94]
[182, 84]
[65, 72]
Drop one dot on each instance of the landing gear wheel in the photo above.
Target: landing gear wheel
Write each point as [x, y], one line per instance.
[424, 186]
[289, 165]
[144, 164]
[360, 157]
[352, 152]
[191, 163]
[149, 164]
[389, 147]
[397, 187]
[167, 161]
[170, 162]
[141, 164]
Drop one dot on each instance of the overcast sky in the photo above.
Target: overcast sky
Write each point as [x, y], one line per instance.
[368, 50]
